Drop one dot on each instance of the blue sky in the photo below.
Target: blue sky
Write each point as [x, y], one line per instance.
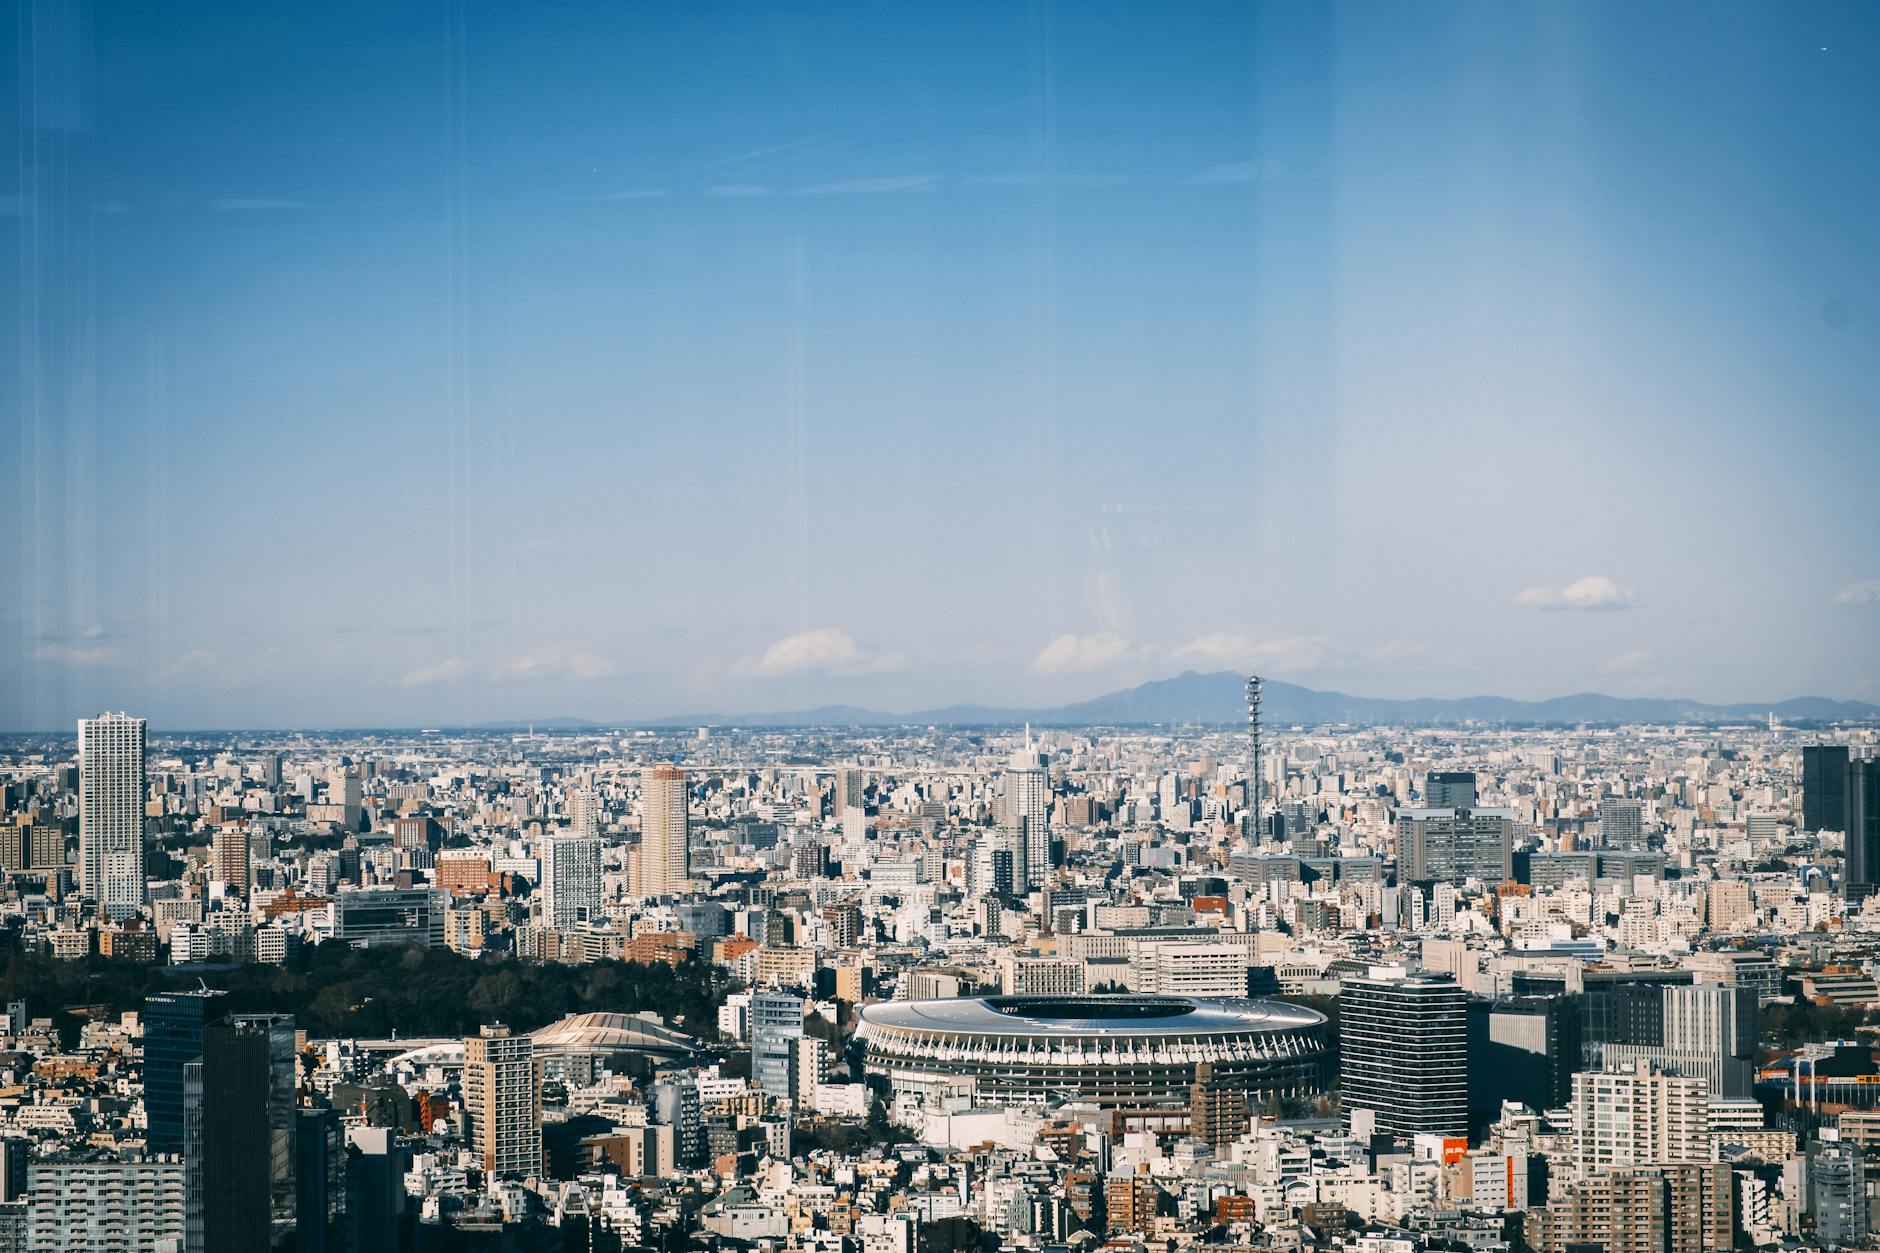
[408, 363]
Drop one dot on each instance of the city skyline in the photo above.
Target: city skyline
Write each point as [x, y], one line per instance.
[902, 360]
[378, 987]
[873, 628]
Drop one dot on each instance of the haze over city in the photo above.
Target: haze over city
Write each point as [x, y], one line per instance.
[410, 365]
[640, 626]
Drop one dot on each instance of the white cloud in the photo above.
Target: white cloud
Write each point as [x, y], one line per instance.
[93, 632]
[1234, 651]
[826, 650]
[1593, 594]
[79, 656]
[1866, 592]
[557, 665]
[443, 672]
[1080, 654]
[1627, 663]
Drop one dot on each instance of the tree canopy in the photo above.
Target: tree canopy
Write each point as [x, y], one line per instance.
[333, 990]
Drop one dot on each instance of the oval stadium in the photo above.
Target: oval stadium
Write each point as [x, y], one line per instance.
[1113, 1051]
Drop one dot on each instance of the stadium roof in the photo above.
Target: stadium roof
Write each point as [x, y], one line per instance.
[1107, 1015]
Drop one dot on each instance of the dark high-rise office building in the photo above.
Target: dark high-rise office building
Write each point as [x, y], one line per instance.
[14, 1162]
[1403, 1043]
[1824, 787]
[1862, 823]
[173, 1026]
[1449, 789]
[1627, 1007]
[242, 1141]
[1523, 1049]
[377, 1213]
[320, 1223]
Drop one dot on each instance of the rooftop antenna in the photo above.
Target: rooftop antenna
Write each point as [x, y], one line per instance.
[1253, 749]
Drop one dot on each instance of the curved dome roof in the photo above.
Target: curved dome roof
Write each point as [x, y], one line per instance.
[1090, 1015]
[602, 1032]
[439, 1053]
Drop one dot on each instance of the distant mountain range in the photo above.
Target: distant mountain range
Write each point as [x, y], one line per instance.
[1219, 699]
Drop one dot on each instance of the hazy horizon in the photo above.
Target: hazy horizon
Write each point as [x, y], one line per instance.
[684, 720]
[384, 367]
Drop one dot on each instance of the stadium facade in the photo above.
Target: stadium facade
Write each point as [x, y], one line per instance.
[1113, 1051]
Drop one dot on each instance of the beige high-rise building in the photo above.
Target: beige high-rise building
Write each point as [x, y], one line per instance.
[228, 857]
[346, 789]
[111, 812]
[502, 1102]
[1728, 905]
[1672, 1208]
[665, 856]
[1638, 1117]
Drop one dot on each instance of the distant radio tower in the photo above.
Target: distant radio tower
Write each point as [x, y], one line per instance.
[1253, 743]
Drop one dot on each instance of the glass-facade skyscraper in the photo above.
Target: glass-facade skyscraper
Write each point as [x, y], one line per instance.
[173, 1027]
[241, 1144]
[1824, 787]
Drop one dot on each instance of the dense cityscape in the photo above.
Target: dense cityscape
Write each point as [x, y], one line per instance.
[891, 989]
[1065, 626]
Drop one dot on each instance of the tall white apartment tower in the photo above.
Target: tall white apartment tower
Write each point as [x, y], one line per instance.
[571, 879]
[111, 812]
[851, 788]
[665, 859]
[1027, 816]
[584, 811]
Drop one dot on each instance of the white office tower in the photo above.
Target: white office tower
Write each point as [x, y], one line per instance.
[571, 880]
[111, 812]
[851, 787]
[665, 859]
[502, 1102]
[584, 811]
[1622, 824]
[1027, 813]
